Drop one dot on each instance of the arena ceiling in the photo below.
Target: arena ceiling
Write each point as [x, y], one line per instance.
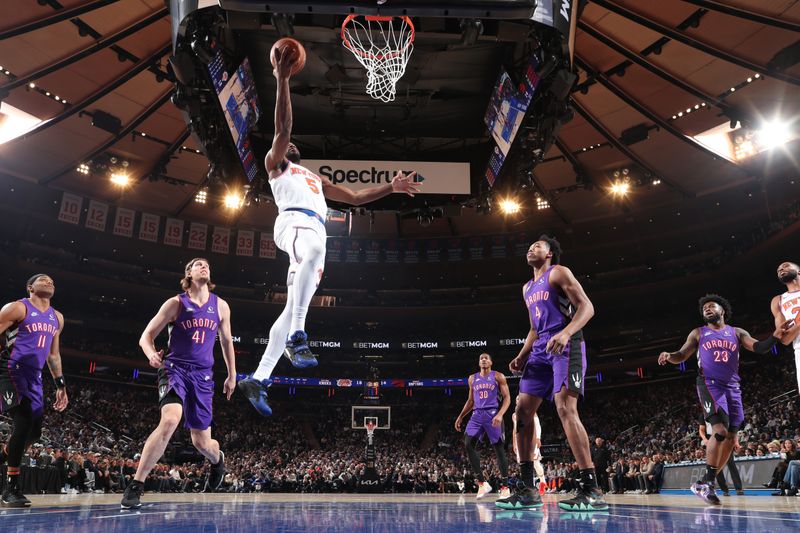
[702, 62]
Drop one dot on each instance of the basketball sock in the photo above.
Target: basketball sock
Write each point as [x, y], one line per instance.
[13, 478]
[526, 473]
[311, 253]
[277, 341]
[711, 474]
[588, 479]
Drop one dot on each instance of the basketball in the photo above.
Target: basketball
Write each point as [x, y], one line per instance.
[285, 45]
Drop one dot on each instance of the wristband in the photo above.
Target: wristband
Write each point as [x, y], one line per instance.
[60, 383]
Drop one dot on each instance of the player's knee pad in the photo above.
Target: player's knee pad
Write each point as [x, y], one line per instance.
[720, 436]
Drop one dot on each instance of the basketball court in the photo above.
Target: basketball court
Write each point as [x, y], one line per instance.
[206, 513]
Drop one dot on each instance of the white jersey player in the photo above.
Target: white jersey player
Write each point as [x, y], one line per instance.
[537, 443]
[786, 307]
[300, 232]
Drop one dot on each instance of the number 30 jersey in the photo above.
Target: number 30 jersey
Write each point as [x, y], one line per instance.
[718, 354]
[192, 335]
[298, 187]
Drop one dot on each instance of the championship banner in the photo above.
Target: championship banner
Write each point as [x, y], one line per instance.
[123, 222]
[220, 240]
[373, 251]
[173, 232]
[148, 229]
[71, 205]
[198, 235]
[476, 247]
[411, 252]
[97, 216]
[266, 247]
[244, 242]
[454, 250]
[435, 178]
[333, 253]
[392, 252]
[353, 252]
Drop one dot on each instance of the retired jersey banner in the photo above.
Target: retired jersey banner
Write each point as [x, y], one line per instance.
[198, 235]
[266, 247]
[148, 229]
[97, 216]
[173, 232]
[244, 242]
[435, 177]
[71, 205]
[220, 240]
[123, 222]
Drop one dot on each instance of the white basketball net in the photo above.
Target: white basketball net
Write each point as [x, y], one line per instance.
[383, 46]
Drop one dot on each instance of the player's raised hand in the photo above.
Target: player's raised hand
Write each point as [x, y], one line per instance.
[156, 359]
[406, 184]
[229, 386]
[61, 399]
[784, 328]
[284, 61]
[663, 358]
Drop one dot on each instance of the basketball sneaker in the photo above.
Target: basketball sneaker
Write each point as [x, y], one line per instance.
[705, 492]
[13, 497]
[256, 392]
[483, 489]
[216, 475]
[522, 498]
[585, 500]
[298, 352]
[505, 492]
[132, 496]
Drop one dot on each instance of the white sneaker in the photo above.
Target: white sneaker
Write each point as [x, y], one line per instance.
[505, 492]
[483, 489]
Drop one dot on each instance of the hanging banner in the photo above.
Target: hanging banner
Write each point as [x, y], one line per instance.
[244, 242]
[353, 252]
[454, 250]
[198, 235]
[148, 229]
[333, 253]
[173, 232]
[411, 252]
[266, 247]
[220, 240]
[123, 222]
[71, 205]
[392, 253]
[476, 247]
[373, 251]
[97, 216]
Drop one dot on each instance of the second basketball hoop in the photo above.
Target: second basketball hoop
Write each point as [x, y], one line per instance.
[383, 46]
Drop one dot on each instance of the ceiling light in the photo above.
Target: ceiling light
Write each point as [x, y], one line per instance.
[120, 179]
[620, 188]
[774, 133]
[201, 196]
[509, 206]
[233, 201]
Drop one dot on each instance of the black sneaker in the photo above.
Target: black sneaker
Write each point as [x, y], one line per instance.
[585, 500]
[216, 475]
[13, 497]
[298, 352]
[522, 498]
[133, 493]
[739, 492]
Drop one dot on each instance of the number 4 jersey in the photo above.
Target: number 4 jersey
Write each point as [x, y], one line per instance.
[192, 335]
[299, 188]
[718, 354]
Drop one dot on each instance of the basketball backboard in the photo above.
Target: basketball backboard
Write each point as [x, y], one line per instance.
[380, 414]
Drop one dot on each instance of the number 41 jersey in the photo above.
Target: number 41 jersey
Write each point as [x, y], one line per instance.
[192, 335]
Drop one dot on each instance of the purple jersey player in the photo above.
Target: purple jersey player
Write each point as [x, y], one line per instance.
[185, 375]
[487, 419]
[31, 331]
[552, 364]
[717, 347]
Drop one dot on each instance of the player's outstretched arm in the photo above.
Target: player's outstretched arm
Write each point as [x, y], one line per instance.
[467, 406]
[689, 347]
[789, 328]
[226, 343]
[400, 183]
[168, 313]
[765, 346]
[284, 60]
[54, 364]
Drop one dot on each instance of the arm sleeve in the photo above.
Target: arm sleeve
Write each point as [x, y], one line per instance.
[765, 345]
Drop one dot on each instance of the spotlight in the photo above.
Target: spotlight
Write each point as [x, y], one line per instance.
[120, 179]
[233, 201]
[620, 188]
[509, 206]
[202, 196]
[656, 181]
[32, 85]
[541, 203]
[774, 133]
[83, 168]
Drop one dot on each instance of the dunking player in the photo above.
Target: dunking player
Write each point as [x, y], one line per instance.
[32, 331]
[553, 363]
[185, 375]
[486, 419]
[537, 446]
[300, 232]
[717, 347]
[786, 306]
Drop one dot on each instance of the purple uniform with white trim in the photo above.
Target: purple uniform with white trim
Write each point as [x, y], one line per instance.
[23, 357]
[718, 377]
[485, 397]
[550, 312]
[187, 369]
